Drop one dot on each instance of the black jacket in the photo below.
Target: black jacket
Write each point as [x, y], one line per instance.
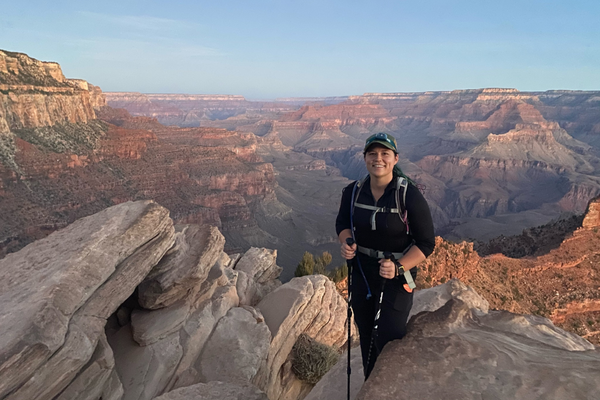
[390, 234]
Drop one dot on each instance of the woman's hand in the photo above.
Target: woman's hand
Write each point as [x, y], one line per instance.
[348, 252]
[387, 269]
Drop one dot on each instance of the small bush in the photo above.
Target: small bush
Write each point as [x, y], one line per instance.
[306, 266]
[311, 359]
[339, 274]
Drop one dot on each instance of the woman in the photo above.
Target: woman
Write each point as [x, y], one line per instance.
[391, 238]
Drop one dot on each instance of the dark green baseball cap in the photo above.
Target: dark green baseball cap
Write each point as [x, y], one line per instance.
[383, 139]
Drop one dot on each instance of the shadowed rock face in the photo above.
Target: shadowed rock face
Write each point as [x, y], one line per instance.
[458, 353]
[309, 305]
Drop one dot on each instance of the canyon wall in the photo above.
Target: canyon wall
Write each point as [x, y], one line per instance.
[491, 157]
[59, 162]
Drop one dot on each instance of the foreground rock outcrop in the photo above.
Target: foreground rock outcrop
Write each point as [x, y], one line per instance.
[458, 352]
[125, 305]
[58, 293]
[456, 348]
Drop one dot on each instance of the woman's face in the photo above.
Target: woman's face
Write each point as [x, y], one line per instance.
[380, 161]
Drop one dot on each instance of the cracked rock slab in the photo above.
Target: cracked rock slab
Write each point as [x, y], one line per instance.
[56, 293]
[184, 267]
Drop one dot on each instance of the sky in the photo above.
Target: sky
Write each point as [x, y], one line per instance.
[265, 49]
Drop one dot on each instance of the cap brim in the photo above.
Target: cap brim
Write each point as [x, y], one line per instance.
[381, 142]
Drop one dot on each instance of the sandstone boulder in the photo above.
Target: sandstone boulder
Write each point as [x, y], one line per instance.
[436, 297]
[158, 351]
[150, 326]
[216, 297]
[216, 391]
[461, 353]
[56, 294]
[311, 305]
[237, 348]
[257, 275]
[187, 264]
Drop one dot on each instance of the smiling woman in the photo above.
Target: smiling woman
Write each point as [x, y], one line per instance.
[387, 223]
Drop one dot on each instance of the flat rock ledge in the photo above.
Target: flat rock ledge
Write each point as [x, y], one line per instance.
[458, 352]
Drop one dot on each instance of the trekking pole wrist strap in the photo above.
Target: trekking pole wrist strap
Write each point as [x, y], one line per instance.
[407, 275]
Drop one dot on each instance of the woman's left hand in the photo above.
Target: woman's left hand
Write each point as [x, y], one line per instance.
[387, 269]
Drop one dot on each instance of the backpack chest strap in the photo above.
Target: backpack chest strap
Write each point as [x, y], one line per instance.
[376, 210]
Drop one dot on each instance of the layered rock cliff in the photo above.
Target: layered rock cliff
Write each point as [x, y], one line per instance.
[35, 93]
[60, 163]
[532, 134]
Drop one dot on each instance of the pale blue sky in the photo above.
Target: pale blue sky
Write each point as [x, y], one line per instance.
[268, 49]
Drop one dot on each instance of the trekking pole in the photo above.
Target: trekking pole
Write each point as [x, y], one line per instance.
[349, 242]
[375, 331]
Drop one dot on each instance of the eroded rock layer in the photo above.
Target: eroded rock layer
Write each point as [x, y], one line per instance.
[59, 163]
[459, 352]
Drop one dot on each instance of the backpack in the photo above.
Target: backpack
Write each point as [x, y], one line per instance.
[401, 184]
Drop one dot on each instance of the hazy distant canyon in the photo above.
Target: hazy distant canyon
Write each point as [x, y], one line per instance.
[492, 160]
[270, 173]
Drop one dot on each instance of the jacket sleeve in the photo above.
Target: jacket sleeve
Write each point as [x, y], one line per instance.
[343, 218]
[419, 220]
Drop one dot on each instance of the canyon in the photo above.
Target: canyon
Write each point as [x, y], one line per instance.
[491, 161]
[146, 295]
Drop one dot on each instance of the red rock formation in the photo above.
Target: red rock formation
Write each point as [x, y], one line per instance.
[35, 93]
[562, 284]
[61, 163]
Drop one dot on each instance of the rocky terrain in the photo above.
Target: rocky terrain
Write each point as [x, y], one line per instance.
[556, 273]
[125, 304]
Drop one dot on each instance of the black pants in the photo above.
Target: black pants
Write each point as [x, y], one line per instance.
[395, 308]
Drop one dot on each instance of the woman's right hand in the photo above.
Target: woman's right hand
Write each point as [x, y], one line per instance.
[348, 252]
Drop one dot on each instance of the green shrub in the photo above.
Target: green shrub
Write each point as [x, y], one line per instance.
[313, 266]
[311, 359]
[339, 274]
[306, 266]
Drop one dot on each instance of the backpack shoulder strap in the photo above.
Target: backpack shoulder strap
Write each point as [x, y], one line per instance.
[357, 188]
[402, 185]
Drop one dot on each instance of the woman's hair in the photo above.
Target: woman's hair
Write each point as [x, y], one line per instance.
[398, 173]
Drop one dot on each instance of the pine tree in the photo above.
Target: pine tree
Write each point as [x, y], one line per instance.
[306, 266]
[322, 262]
